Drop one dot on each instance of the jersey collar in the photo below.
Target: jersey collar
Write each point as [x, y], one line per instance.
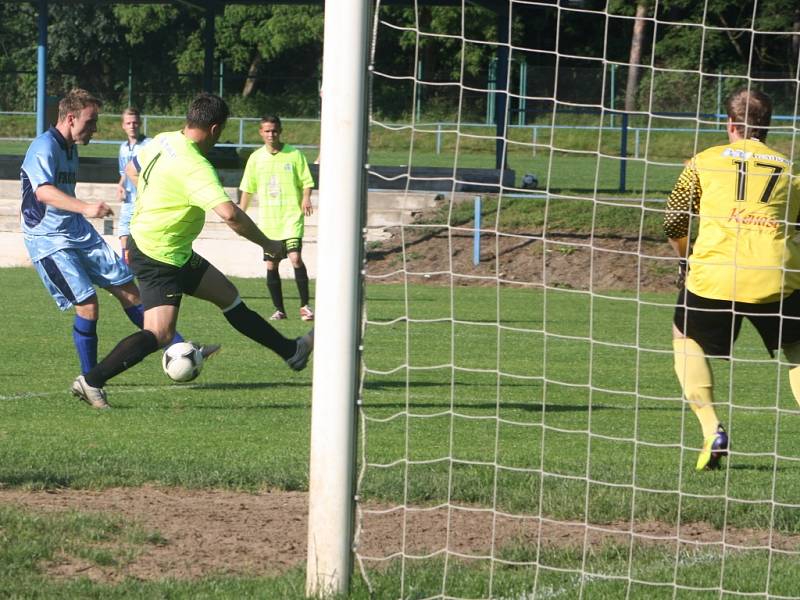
[139, 139]
[61, 141]
[59, 138]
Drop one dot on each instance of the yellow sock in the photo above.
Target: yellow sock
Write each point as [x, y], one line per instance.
[794, 381]
[694, 375]
[793, 355]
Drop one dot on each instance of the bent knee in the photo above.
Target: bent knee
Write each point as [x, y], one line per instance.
[163, 337]
[127, 294]
[88, 309]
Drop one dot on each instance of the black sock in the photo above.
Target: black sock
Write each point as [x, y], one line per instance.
[130, 351]
[301, 278]
[275, 289]
[250, 324]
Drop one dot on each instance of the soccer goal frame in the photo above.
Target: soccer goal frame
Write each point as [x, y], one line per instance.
[338, 296]
[521, 430]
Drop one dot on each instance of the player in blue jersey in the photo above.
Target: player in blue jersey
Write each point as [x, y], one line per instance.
[126, 190]
[67, 252]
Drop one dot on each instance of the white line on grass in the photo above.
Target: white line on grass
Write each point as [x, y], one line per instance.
[138, 390]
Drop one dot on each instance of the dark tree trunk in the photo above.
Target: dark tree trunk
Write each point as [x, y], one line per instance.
[252, 76]
[635, 59]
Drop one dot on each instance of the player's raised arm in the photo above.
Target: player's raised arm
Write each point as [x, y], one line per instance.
[243, 225]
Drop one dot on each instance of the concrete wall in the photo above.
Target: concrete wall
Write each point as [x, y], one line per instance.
[228, 252]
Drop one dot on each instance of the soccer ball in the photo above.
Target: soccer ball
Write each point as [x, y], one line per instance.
[530, 181]
[182, 361]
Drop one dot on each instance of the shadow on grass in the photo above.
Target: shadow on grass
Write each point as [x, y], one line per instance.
[170, 406]
[255, 385]
[417, 300]
[763, 468]
[36, 481]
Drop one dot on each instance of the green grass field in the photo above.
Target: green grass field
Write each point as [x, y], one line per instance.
[529, 402]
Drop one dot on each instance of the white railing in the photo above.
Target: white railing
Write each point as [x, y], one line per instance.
[439, 128]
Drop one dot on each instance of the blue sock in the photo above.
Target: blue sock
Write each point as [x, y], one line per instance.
[84, 334]
[136, 315]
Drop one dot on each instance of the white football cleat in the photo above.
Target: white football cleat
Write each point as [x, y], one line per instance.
[94, 397]
[306, 313]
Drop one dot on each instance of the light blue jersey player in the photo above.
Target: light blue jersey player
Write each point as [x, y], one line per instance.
[131, 121]
[67, 252]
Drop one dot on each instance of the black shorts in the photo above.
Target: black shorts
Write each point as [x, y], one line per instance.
[715, 324]
[290, 245]
[161, 283]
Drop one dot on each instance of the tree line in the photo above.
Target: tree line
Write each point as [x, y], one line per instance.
[269, 57]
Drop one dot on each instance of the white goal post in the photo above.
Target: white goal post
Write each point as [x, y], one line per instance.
[337, 330]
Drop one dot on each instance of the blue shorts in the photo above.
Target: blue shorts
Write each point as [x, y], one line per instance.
[124, 222]
[70, 274]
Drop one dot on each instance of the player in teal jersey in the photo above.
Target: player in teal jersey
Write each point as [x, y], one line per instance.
[279, 174]
[176, 186]
[126, 191]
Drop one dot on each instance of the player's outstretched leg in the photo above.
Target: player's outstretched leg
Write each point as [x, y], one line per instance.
[251, 324]
[218, 289]
[694, 375]
[129, 352]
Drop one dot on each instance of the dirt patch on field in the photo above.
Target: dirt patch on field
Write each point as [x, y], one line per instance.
[603, 262]
[200, 532]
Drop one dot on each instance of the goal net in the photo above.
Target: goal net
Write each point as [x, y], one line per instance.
[521, 430]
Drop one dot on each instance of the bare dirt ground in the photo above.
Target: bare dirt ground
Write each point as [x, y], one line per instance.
[204, 532]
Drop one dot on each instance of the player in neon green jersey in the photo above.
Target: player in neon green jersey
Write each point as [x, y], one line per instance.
[744, 263]
[279, 174]
[176, 186]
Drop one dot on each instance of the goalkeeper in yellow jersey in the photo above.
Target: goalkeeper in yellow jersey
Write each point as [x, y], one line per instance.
[744, 262]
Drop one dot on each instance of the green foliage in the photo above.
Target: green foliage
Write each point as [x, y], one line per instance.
[276, 50]
[142, 21]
